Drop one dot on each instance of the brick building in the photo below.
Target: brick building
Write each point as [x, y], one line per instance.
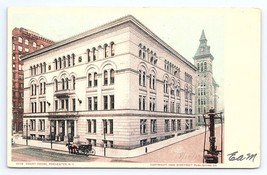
[23, 41]
[117, 85]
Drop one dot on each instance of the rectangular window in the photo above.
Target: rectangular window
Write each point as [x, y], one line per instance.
[35, 107]
[41, 106]
[140, 102]
[56, 105]
[179, 125]
[112, 102]
[143, 142]
[110, 126]
[173, 125]
[89, 128]
[89, 103]
[94, 125]
[143, 126]
[44, 106]
[105, 102]
[73, 104]
[191, 124]
[67, 104]
[19, 48]
[105, 126]
[32, 107]
[62, 104]
[186, 124]
[153, 126]
[95, 103]
[92, 142]
[166, 126]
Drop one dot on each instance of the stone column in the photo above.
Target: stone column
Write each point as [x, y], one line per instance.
[66, 131]
[75, 128]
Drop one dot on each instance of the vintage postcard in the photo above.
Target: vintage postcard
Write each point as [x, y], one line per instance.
[133, 87]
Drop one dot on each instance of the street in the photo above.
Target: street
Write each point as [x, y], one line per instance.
[187, 151]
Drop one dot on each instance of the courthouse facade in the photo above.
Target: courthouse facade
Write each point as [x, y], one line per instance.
[117, 85]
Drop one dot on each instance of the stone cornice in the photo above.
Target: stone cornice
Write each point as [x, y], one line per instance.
[108, 26]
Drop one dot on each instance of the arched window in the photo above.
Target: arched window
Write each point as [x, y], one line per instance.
[67, 83]
[201, 65]
[32, 90]
[112, 48]
[144, 79]
[41, 88]
[64, 61]
[105, 77]
[140, 77]
[205, 66]
[34, 44]
[68, 60]
[60, 63]
[165, 86]
[44, 87]
[94, 54]
[177, 92]
[34, 70]
[88, 55]
[31, 70]
[41, 66]
[198, 67]
[56, 85]
[63, 84]
[73, 82]
[106, 50]
[44, 65]
[144, 55]
[55, 61]
[112, 76]
[89, 80]
[73, 59]
[144, 103]
[26, 42]
[140, 53]
[95, 79]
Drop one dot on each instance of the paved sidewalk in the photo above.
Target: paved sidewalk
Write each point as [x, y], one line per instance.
[110, 152]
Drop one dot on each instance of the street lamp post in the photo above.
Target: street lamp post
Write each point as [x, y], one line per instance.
[50, 127]
[105, 139]
[105, 132]
[51, 135]
[27, 128]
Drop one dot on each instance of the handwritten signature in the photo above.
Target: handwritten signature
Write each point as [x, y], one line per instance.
[234, 157]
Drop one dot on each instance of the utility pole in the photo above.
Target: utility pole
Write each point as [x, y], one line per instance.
[51, 134]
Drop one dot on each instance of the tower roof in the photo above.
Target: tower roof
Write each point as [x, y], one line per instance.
[203, 49]
[203, 37]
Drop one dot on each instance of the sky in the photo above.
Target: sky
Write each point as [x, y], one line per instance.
[179, 28]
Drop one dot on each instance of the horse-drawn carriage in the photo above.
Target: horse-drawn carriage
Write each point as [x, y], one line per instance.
[85, 149]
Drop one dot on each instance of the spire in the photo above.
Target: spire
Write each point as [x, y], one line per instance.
[203, 49]
[203, 37]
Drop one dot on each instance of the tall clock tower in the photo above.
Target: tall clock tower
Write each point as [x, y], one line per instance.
[205, 83]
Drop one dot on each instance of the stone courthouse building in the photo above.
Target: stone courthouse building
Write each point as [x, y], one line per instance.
[117, 85]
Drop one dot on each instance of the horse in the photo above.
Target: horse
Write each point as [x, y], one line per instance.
[73, 148]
